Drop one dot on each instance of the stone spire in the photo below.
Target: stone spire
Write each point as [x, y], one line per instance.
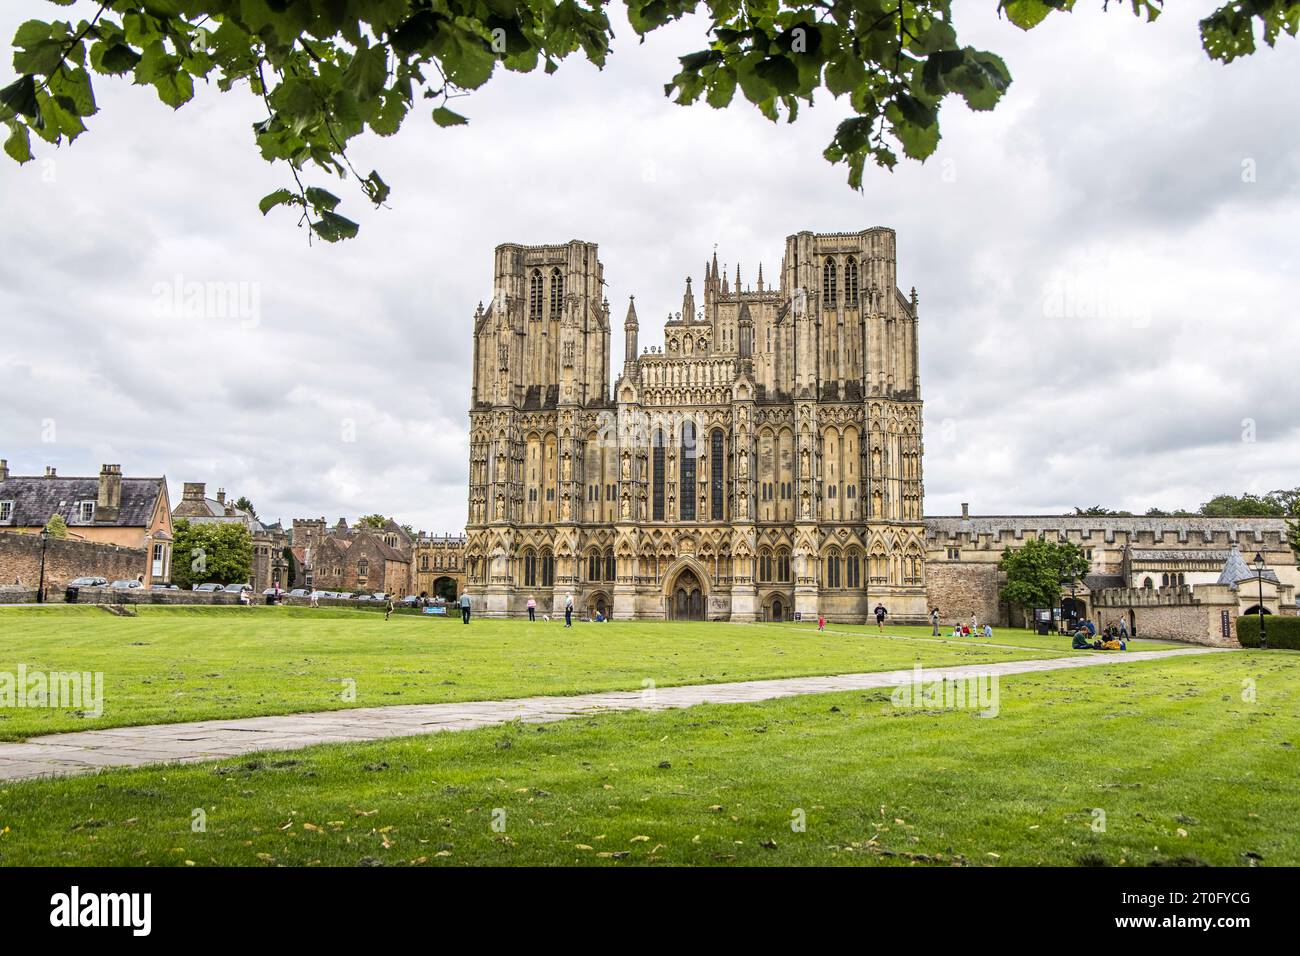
[688, 303]
[760, 277]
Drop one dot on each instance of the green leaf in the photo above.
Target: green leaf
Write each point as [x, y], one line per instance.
[445, 117]
[19, 143]
[367, 74]
[321, 199]
[332, 227]
[278, 198]
[19, 97]
[117, 59]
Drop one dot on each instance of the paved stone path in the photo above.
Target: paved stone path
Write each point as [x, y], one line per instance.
[93, 750]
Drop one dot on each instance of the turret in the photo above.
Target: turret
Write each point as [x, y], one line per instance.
[630, 329]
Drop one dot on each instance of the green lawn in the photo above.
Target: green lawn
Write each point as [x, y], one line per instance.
[1184, 768]
[176, 664]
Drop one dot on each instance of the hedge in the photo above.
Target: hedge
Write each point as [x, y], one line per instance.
[1282, 631]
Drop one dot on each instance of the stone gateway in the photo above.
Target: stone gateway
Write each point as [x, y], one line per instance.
[764, 462]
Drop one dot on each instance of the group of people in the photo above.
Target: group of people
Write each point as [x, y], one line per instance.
[971, 629]
[532, 610]
[1115, 637]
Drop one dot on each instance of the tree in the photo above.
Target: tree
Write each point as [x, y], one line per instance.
[220, 552]
[56, 526]
[243, 504]
[1247, 506]
[1293, 537]
[1037, 572]
[327, 71]
[376, 521]
[1098, 510]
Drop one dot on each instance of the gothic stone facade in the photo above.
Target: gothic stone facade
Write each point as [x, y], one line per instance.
[765, 460]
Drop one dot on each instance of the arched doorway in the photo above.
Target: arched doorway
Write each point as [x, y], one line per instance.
[1074, 609]
[686, 598]
[1253, 611]
[445, 588]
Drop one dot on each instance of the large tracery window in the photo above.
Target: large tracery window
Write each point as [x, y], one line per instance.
[658, 467]
[535, 295]
[851, 283]
[689, 459]
[557, 292]
[548, 569]
[716, 462]
[828, 283]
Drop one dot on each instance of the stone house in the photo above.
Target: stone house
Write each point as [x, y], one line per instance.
[107, 509]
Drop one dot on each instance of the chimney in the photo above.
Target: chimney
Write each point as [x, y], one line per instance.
[49, 472]
[110, 493]
[221, 496]
[965, 510]
[4, 469]
[194, 491]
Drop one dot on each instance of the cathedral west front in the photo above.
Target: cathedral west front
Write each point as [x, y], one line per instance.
[765, 461]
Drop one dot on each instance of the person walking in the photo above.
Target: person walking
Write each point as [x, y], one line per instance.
[934, 622]
[464, 608]
[568, 610]
[881, 614]
[532, 608]
[388, 609]
[974, 625]
[821, 622]
[314, 599]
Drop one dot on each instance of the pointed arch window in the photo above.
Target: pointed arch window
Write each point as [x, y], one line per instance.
[658, 467]
[548, 569]
[557, 293]
[690, 451]
[828, 283]
[530, 569]
[716, 462]
[832, 570]
[535, 295]
[611, 569]
[851, 283]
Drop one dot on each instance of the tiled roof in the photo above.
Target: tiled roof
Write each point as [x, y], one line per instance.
[1236, 570]
[35, 499]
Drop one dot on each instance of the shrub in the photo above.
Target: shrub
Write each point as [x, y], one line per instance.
[1282, 631]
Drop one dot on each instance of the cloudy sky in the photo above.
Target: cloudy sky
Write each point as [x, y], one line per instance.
[1107, 266]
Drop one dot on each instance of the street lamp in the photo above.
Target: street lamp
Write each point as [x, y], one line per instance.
[1259, 570]
[40, 587]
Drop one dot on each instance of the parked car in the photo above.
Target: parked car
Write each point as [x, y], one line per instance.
[411, 600]
[236, 588]
[300, 592]
[88, 582]
[163, 587]
[270, 592]
[210, 587]
[125, 585]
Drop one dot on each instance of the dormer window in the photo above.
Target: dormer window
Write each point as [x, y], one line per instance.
[85, 512]
[6, 511]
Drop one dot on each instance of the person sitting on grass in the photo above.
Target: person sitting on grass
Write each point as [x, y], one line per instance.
[956, 631]
[988, 630]
[1081, 642]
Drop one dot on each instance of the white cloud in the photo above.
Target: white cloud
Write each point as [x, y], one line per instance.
[1112, 168]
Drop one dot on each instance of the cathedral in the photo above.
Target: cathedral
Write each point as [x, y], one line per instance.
[763, 463]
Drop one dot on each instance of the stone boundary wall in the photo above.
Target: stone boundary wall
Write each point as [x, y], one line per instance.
[1185, 614]
[65, 560]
